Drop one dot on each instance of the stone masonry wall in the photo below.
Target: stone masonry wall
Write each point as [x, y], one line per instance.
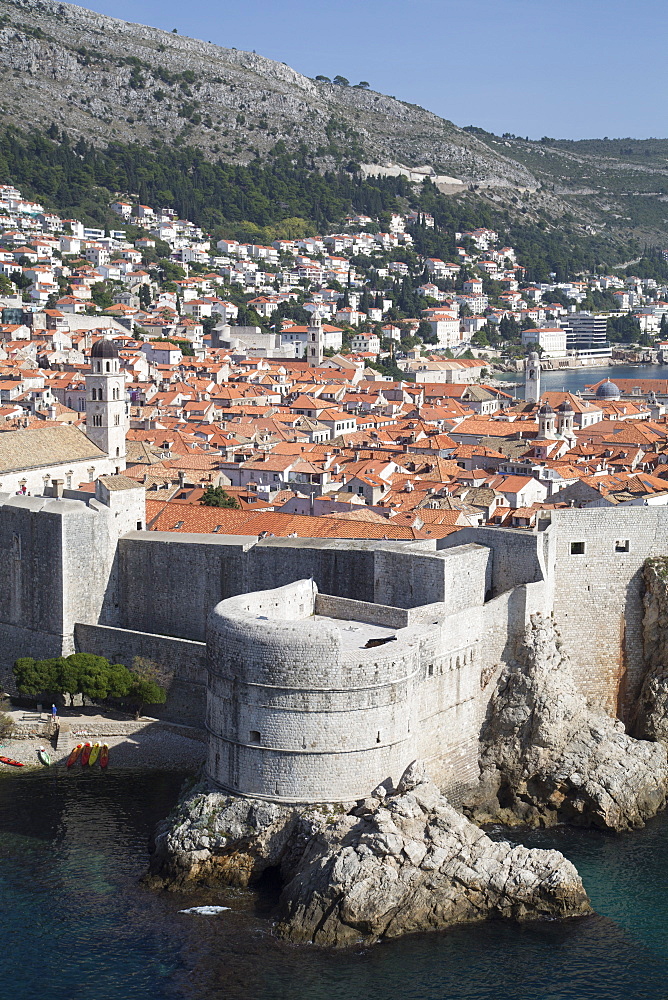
[181, 665]
[598, 595]
[292, 717]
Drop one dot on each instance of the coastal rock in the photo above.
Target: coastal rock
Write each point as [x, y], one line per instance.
[651, 714]
[549, 757]
[221, 838]
[413, 863]
[395, 863]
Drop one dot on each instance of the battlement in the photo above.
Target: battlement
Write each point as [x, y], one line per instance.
[286, 617]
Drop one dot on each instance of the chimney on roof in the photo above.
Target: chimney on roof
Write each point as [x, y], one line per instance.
[57, 487]
[182, 479]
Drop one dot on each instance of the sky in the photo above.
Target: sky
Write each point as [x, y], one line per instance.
[561, 68]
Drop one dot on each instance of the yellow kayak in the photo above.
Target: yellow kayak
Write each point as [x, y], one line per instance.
[94, 754]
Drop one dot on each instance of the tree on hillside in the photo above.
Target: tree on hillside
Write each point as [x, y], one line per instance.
[426, 334]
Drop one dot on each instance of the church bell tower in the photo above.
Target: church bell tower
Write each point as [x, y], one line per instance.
[532, 378]
[314, 342]
[106, 412]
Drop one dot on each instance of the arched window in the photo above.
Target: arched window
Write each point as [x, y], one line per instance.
[108, 367]
[98, 366]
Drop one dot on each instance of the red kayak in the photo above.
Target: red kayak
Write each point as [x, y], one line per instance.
[104, 755]
[85, 754]
[9, 760]
[75, 753]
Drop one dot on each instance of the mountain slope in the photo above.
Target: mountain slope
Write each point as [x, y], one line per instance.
[106, 80]
[101, 78]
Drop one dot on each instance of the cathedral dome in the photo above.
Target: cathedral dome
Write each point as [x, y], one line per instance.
[608, 390]
[565, 407]
[546, 409]
[104, 348]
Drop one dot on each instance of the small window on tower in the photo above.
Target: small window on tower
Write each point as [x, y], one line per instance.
[254, 736]
[622, 545]
[577, 548]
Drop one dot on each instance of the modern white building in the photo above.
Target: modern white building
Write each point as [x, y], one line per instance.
[551, 339]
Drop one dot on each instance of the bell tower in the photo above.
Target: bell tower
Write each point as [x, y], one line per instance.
[532, 378]
[106, 413]
[314, 342]
[547, 422]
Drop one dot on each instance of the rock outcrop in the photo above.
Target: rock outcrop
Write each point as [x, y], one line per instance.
[651, 715]
[548, 757]
[410, 862]
[219, 838]
[399, 862]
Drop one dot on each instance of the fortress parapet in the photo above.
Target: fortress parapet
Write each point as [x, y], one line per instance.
[299, 709]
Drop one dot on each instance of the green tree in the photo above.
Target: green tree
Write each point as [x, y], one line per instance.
[215, 496]
[146, 692]
[36, 676]
[144, 296]
[426, 333]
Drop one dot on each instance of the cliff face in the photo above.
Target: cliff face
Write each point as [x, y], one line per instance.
[105, 79]
[548, 757]
[400, 862]
[651, 718]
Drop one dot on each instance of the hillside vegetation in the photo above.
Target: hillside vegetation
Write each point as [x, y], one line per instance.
[205, 109]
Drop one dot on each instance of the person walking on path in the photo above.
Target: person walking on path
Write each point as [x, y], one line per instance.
[54, 713]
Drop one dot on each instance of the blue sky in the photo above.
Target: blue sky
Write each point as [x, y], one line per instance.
[562, 68]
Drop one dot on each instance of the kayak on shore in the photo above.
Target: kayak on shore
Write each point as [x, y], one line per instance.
[74, 754]
[9, 760]
[44, 757]
[85, 754]
[94, 754]
[104, 755]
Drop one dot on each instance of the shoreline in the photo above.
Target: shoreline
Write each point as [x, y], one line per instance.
[148, 743]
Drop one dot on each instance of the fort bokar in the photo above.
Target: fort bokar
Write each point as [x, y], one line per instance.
[357, 695]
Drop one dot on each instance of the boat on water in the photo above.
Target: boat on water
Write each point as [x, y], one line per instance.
[74, 754]
[94, 754]
[11, 761]
[85, 754]
[104, 755]
[44, 757]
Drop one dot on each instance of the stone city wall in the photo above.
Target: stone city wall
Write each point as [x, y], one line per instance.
[180, 666]
[294, 717]
[596, 563]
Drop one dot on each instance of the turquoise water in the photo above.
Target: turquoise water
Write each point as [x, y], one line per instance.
[574, 379]
[78, 925]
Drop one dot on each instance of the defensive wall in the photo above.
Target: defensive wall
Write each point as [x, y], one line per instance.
[76, 575]
[299, 708]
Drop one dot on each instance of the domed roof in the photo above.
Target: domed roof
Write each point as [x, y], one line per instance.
[104, 348]
[565, 407]
[608, 390]
[546, 408]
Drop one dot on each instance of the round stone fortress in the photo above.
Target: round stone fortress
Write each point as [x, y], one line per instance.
[299, 709]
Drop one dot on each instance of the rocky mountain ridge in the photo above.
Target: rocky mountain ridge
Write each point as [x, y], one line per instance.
[104, 79]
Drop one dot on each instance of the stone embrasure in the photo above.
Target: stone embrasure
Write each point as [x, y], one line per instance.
[548, 757]
[399, 862]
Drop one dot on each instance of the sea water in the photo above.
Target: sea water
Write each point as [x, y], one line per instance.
[77, 924]
[577, 379]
